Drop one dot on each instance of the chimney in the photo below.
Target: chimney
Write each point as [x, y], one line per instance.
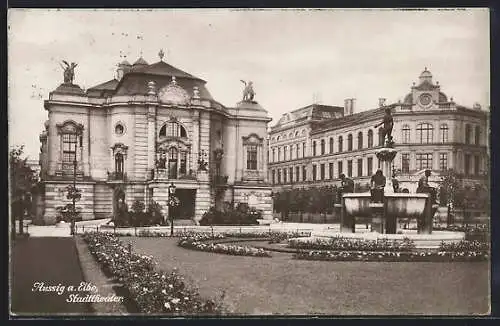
[381, 101]
[348, 106]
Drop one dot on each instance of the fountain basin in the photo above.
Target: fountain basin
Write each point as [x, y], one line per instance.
[398, 204]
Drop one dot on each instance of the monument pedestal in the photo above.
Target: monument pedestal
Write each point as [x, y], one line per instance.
[377, 210]
[347, 223]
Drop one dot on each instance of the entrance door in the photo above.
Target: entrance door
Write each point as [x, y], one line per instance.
[185, 210]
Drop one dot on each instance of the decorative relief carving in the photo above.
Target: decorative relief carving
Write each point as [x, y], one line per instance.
[173, 94]
[253, 139]
[69, 127]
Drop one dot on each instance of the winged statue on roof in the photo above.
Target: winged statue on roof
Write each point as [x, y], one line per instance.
[69, 71]
[248, 92]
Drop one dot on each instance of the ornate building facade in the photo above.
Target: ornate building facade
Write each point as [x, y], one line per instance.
[152, 126]
[312, 146]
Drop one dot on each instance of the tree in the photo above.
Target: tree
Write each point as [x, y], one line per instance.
[22, 181]
[451, 191]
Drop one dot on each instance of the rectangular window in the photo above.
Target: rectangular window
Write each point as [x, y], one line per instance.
[303, 149]
[279, 176]
[476, 164]
[183, 167]
[304, 173]
[370, 165]
[349, 168]
[322, 171]
[322, 147]
[330, 170]
[467, 164]
[443, 161]
[314, 148]
[314, 172]
[284, 175]
[360, 167]
[340, 168]
[273, 176]
[297, 150]
[251, 157]
[405, 163]
[70, 142]
[331, 145]
[290, 171]
[424, 161]
[297, 173]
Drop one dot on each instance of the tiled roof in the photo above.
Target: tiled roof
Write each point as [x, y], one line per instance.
[353, 119]
[137, 83]
[109, 85]
[163, 68]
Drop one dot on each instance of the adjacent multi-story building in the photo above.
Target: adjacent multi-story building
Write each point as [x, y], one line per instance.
[313, 145]
[153, 126]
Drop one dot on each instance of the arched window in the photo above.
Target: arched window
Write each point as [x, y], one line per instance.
[360, 140]
[341, 141]
[314, 148]
[349, 142]
[381, 137]
[322, 147]
[274, 155]
[173, 129]
[331, 145]
[424, 133]
[172, 162]
[443, 130]
[297, 133]
[406, 134]
[468, 131]
[477, 136]
[370, 138]
[279, 153]
[278, 138]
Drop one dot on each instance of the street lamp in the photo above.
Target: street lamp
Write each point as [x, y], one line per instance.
[171, 203]
[74, 193]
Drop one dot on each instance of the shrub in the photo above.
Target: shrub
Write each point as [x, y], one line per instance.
[241, 215]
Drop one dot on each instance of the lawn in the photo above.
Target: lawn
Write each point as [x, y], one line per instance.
[281, 285]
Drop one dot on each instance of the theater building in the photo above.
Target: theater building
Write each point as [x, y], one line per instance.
[312, 146]
[153, 126]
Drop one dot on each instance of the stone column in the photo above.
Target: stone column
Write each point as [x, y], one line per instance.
[386, 156]
[86, 146]
[151, 125]
[195, 139]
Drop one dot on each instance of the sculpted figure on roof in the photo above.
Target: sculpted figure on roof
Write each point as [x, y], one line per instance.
[248, 92]
[69, 72]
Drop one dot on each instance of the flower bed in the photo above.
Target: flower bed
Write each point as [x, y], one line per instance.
[465, 246]
[155, 292]
[236, 250]
[343, 244]
[428, 256]
[273, 236]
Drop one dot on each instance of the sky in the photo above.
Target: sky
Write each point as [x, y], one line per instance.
[293, 57]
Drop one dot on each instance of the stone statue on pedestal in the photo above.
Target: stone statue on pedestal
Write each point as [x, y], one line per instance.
[377, 184]
[388, 123]
[248, 92]
[69, 72]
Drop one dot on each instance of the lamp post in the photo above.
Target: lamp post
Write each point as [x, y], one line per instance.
[171, 202]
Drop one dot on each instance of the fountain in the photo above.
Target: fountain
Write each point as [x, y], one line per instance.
[393, 205]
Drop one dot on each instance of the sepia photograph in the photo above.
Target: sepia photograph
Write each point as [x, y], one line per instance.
[249, 162]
